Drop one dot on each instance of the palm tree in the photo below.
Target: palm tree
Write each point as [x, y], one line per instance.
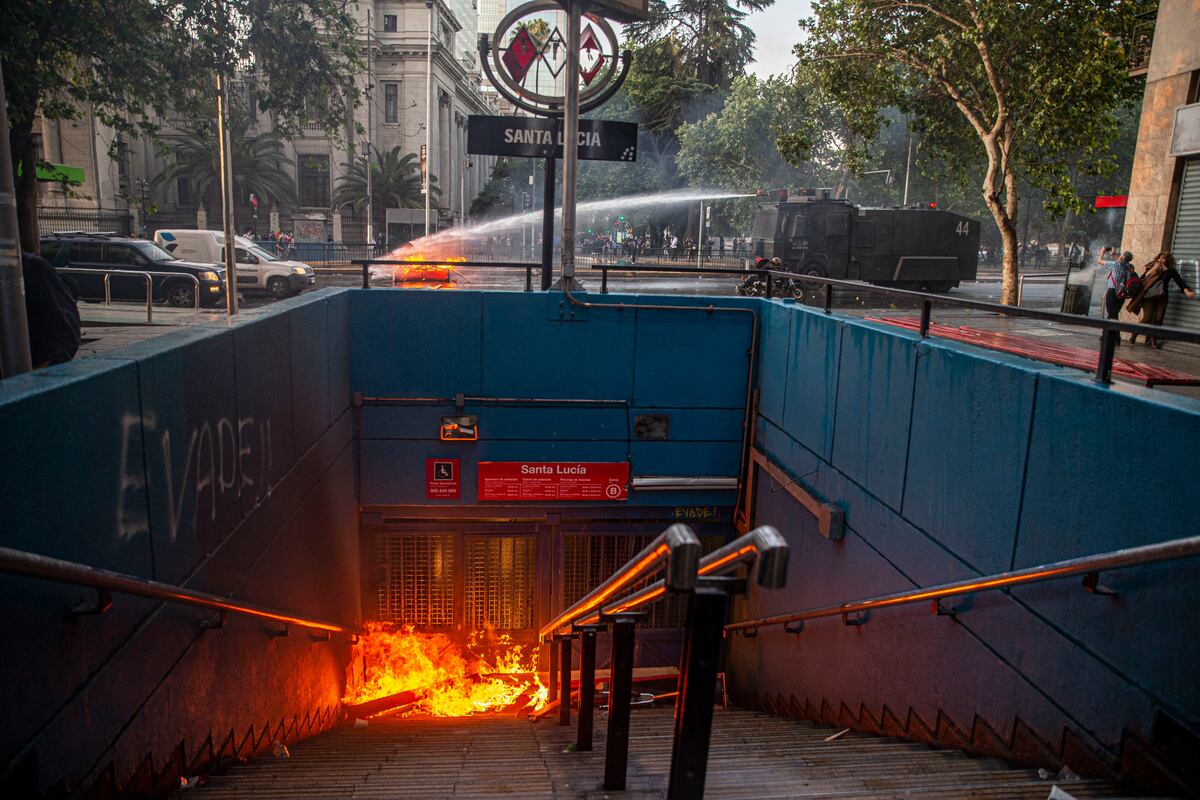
[395, 183]
[258, 164]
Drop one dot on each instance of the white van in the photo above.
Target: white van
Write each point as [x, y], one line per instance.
[257, 270]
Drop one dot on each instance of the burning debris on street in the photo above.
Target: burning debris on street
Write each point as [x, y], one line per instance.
[395, 670]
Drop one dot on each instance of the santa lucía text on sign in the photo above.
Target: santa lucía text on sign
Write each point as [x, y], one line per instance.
[533, 136]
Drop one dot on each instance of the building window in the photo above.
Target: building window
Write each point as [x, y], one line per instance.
[391, 102]
[183, 187]
[314, 181]
[389, 23]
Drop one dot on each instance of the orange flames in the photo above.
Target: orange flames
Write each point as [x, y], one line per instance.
[443, 679]
[422, 273]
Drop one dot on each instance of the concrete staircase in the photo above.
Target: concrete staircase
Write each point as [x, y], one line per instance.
[753, 755]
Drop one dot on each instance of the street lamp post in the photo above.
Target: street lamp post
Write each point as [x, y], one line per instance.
[370, 98]
[462, 192]
[428, 106]
[226, 164]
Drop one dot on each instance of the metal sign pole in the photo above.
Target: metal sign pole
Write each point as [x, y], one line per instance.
[14, 328]
[570, 144]
[548, 225]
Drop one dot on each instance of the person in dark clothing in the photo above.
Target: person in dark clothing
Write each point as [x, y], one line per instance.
[1151, 302]
[1118, 272]
[51, 313]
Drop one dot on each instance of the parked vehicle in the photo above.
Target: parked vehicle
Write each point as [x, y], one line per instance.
[94, 254]
[257, 270]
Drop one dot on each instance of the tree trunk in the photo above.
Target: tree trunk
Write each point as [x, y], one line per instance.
[1007, 226]
[1008, 239]
[23, 152]
[1008, 285]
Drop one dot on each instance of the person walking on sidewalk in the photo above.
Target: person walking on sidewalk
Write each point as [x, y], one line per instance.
[1118, 273]
[1151, 302]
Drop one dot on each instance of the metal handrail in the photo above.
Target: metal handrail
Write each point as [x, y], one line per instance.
[763, 546]
[19, 562]
[677, 549]
[149, 276]
[1132, 556]
[1110, 330]
[1021, 281]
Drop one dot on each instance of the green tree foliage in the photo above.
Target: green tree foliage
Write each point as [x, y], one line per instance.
[712, 43]
[395, 183]
[539, 30]
[1024, 88]
[502, 194]
[132, 61]
[258, 160]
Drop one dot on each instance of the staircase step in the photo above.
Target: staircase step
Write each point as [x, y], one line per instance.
[753, 756]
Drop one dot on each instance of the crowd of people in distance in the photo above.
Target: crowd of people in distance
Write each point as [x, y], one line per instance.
[1145, 293]
[665, 245]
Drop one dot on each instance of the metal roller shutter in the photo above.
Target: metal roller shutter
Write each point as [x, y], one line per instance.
[419, 588]
[500, 582]
[1185, 246]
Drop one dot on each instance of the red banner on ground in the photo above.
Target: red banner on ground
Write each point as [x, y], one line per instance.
[553, 480]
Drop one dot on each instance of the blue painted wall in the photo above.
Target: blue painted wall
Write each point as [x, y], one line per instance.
[219, 458]
[222, 457]
[690, 365]
[950, 462]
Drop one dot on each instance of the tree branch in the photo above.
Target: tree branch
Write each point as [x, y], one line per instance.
[925, 7]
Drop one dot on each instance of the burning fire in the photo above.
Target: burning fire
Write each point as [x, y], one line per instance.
[422, 273]
[434, 676]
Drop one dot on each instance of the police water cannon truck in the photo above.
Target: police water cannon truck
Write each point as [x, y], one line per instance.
[908, 247]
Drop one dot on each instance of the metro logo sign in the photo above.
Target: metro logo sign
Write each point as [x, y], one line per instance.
[553, 480]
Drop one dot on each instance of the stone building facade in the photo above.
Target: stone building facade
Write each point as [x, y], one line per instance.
[1163, 210]
[393, 113]
[1170, 83]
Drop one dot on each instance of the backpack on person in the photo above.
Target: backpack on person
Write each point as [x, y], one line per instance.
[1132, 287]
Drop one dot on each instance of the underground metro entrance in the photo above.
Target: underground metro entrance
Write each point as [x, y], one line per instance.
[480, 581]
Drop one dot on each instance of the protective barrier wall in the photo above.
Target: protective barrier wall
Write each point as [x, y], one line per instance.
[219, 458]
[691, 366]
[951, 462]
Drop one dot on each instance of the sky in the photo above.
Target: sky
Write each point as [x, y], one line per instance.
[776, 32]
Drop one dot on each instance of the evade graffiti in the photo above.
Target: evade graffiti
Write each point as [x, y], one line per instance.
[225, 457]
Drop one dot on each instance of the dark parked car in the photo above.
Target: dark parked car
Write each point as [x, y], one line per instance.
[89, 255]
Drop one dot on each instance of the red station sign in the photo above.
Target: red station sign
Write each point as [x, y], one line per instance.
[553, 480]
[442, 479]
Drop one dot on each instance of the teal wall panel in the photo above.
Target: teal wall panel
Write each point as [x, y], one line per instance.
[813, 349]
[966, 457]
[874, 407]
[416, 343]
[1006, 463]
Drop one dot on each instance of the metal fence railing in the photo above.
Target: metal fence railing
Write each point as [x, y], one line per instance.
[52, 219]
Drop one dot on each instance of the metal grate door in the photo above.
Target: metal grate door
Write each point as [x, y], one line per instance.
[500, 582]
[419, 585]
[588, 561]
